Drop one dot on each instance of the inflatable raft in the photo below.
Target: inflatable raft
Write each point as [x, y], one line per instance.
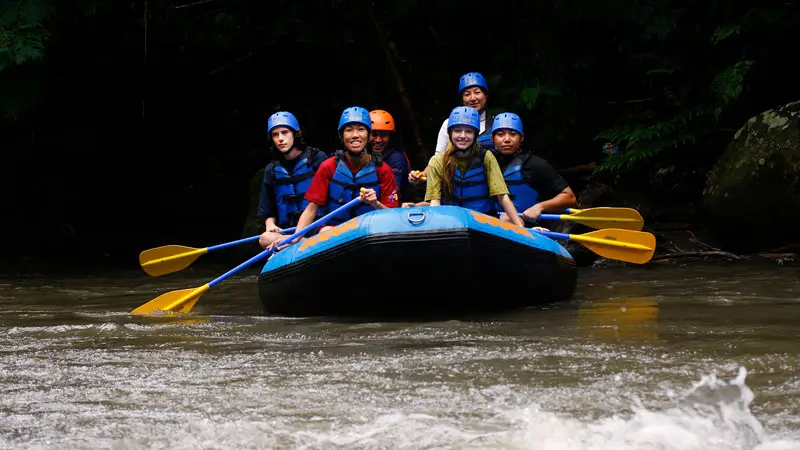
[421, 261]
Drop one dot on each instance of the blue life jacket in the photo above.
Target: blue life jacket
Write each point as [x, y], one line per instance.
[485, 138]
[345, 186]
[470, 188]
[400, 163]
[290, 188]
[522, 194]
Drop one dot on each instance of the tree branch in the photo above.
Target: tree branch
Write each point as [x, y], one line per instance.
[188, 5]
[675, 255]
[387, 46]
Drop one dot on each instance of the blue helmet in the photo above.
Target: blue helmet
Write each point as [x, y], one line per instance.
[508, 121]
[472, 79]
[355, 114]
[282, 119]
[464, 115]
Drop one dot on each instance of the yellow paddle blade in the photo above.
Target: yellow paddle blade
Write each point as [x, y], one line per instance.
[607, 217]
[179, 301]
[169, 258]
[623, 245]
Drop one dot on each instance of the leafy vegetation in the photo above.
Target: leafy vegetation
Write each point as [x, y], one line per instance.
[668, 81]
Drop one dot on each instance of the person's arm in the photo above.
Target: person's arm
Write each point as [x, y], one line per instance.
[442, 139]
[550, 185]
[388, 197]
[563, 200]
[400, 168]
[308, 216]
[510, 209]
[498, 188]
[433, 190]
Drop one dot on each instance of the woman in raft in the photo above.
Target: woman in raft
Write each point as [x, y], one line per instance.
[467, 174]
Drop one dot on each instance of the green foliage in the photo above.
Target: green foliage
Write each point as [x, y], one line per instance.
[691, 111]
[724, 32]
[530, 95]
[22, 31]
[728, 84]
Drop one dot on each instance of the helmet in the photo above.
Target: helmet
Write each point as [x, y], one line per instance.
[282, 119]
[464, 115]
[472, 79]
[381, 120]
[355, 114]
[508, 121]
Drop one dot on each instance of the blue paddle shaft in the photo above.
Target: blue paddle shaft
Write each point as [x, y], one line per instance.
[553, 234]
[321, 221]
[550, 216]
[245, 240]
[231, 244]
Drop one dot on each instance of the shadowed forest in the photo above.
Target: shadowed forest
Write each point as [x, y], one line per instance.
[128, 125]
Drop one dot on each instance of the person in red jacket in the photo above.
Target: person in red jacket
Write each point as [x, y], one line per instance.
[340, 178]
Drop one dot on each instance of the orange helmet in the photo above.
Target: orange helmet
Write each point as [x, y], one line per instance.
[381, 120]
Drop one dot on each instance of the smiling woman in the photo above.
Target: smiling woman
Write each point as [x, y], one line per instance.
[466, 174]
[340, 178]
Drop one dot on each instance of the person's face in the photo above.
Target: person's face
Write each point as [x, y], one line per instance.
[355, 137]
[283, 138]
[462, 136]
[474, 98]
[380, 139]
[507, 141]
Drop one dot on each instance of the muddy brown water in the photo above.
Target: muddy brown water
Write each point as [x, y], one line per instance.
[663, 357]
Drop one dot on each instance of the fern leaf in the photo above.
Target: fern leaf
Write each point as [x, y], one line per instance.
[724, 32]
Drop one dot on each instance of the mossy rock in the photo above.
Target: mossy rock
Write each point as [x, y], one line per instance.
[752, 197]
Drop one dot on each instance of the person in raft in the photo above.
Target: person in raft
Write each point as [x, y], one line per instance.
[340, 178]
[287, 178]
[474, 93]
[466, 174]
[534, 186]
[383, 141]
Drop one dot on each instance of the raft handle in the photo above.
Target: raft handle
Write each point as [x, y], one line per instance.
[416, 217]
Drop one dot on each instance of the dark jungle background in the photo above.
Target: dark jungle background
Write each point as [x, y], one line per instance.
[126, 125]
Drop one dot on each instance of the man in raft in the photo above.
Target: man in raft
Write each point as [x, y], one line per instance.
[340, 178]
[287, 178]
[383, 141]
[534, 186]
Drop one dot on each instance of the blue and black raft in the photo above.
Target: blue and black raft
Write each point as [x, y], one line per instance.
[421, 261]
[445, 261]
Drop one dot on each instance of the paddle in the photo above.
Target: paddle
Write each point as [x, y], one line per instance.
[603, 217]
[172, 258]
[183, 300]
[623, 245]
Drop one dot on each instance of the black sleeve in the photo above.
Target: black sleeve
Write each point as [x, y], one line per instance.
[266, 203]
[547, 182]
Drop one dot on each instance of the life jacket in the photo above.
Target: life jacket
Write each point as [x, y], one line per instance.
[522, 194]
[291, 186]
[485, 138]
[402, 180]
[471, 189]
[345, 186]
[385, 155]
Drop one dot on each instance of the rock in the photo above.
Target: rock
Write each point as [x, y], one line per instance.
[752, 196]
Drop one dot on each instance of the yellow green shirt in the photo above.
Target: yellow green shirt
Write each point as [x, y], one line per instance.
[494, 176]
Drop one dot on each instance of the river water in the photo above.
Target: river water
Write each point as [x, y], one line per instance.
[654, 357]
